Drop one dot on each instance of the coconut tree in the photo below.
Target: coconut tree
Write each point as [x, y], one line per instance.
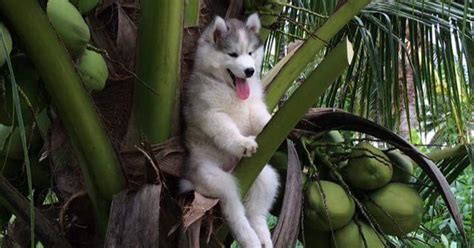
[113, 156]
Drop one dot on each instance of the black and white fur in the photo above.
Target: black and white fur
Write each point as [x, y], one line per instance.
[221, 127]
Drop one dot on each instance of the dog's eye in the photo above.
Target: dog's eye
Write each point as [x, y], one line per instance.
[250, 53]
[233, 55]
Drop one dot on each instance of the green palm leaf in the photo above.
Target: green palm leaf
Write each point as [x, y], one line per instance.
[412, 58]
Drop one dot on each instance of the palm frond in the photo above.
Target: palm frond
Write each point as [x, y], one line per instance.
[451, 162]
[413, 62]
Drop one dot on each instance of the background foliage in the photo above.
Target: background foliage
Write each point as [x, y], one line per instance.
[412, 73]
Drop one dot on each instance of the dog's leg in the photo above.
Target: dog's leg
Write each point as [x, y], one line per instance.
[212, 181]
[259, 201]
[259, 116]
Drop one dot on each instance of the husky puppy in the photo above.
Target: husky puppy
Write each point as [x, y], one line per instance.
[224, 110]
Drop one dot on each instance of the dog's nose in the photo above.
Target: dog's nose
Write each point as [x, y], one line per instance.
[249, 72]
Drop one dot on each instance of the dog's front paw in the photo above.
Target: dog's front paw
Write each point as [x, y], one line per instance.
[246, 147]
[250, 146]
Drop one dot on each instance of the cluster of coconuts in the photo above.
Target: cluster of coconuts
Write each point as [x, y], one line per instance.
[380, 181]
[32, 98]
[66, 18]
[33, 102]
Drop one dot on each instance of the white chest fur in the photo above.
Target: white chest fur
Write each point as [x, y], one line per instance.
[212, 96]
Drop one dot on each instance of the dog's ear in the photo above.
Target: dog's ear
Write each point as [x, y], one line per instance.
[215, 30]
[253, 23]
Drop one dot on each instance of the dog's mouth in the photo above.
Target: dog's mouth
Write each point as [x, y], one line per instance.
[232, 76]
[241, 86]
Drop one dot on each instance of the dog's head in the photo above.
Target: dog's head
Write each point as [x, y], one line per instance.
[232, 50]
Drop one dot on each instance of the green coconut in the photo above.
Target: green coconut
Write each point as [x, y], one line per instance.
[332, 138]
[335, 211]
[69, 24]
[335, 139]
[13, 147]
[353, 236]
[402, 166]
[369, 168]
[84, 6]
[8, 44]
[93, 70]
[31, 92]
[397, 208]
[279, 160]
[10, 137]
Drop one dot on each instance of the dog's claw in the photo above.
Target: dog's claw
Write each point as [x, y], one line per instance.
[249, 146]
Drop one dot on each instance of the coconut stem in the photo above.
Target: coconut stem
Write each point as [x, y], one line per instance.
[441, 154]
[158, 68]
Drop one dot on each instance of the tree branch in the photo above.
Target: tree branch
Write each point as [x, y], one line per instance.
[15, 202]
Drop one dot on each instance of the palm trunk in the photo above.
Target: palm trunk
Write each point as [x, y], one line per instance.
[408, 107]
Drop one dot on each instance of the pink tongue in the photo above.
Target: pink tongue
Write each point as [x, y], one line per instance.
[243, 89]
